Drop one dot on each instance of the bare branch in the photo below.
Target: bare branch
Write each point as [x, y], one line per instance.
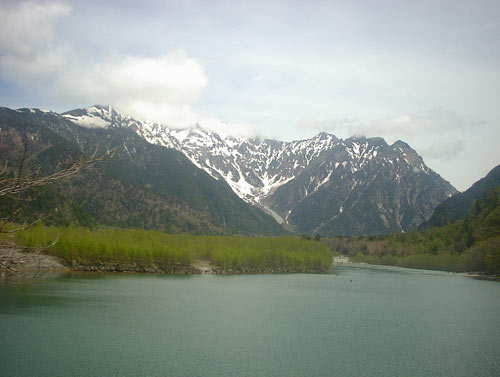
[24, 227]
[23, 181]
[46, 248]
[8, 219]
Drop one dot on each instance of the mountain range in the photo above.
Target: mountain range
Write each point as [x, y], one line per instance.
[321, 185]
[324, 185]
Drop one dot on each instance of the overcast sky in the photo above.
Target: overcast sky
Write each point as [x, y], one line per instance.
[426, 72]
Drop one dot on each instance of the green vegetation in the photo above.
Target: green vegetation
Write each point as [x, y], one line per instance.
[37, 203]
[148, 247]
[471, 244]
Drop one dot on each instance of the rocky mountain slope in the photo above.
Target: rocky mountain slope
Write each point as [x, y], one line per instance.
[145, 185]
[321, 185]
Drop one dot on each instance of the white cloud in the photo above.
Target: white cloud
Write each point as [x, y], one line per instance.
[444, 150]
[28, 44]
[160, 88]
[434, 122]
[28, 28]
[225, 129]
[439, 132]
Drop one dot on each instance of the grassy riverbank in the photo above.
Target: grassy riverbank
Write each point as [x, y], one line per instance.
[79, 245]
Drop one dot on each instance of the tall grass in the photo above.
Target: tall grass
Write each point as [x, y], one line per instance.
[264, 252]
[154, 247]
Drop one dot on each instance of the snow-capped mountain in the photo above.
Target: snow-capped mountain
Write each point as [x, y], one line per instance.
[323, 184]
[143, 185]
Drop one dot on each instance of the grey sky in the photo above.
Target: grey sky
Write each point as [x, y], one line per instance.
[422, 71]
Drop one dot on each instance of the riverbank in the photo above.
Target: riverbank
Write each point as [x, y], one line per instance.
[343, 260]
[16, 260]
[24, 264]
[138, 250]
[197, 268]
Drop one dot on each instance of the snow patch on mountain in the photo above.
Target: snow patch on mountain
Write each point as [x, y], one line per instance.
[255, 168]
[89, 121]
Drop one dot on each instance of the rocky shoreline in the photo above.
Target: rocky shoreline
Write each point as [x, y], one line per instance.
[197, 268]
[15, 259]
[88, 266]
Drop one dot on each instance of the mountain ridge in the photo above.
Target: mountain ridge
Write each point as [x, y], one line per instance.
[288, 179]
[145, 185]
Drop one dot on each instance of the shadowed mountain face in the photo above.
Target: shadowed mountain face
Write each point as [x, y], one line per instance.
[321, 185]
[145, 185]
[385, 189]
[459, 205]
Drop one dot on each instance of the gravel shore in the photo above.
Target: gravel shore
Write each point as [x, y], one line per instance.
[14, 259]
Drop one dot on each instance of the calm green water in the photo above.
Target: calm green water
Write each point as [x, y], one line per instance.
[382, 323]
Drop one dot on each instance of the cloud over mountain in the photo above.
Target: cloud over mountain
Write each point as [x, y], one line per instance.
[34, 55]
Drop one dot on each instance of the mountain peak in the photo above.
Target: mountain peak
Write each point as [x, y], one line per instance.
[401, 144]
[323, 135]
[96, 116]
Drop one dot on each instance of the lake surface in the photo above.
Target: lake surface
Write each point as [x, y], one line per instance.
[356, 322]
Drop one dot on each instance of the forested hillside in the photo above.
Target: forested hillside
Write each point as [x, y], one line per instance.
[471, 243]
